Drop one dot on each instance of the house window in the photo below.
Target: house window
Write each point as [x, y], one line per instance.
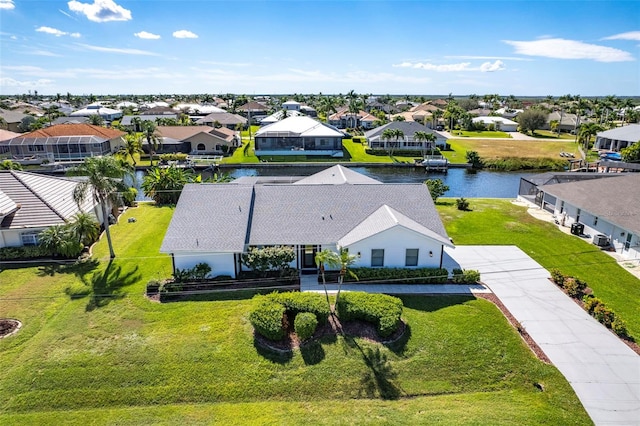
[29, 238]
[200, 147]
[36, 148]
[377, 257]
[411, 257]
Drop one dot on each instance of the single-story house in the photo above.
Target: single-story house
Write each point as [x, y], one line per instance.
[255, 111]
[281, 114]
[197, 139]
[197, 109]
[499, 123]
[30, 203]
[384, 225]
[618, 138]
[409, 128]
[608, 207]
[224, 119]
[13, 119]
[343, 119]
[108, 114]
[567, 122]
[64, 142]
[299, 136]
[291, 105]
[7, 134]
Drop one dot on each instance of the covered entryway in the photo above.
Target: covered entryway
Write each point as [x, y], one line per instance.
[307, 259]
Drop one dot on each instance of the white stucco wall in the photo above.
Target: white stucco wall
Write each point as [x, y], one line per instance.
[221, 263]
[395, 242]
[12, 237]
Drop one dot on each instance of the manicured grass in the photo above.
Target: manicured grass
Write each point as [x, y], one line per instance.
[553, 135]
[240, 156]
[497, 148]
[111, 356]
[357, 152]
[500, 222]
[484, 134]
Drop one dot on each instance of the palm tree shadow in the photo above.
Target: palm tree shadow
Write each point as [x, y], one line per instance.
[108, 285]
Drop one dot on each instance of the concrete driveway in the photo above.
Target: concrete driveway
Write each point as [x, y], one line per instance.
[603, 371]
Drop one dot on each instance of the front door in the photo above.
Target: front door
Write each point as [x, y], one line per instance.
[627, 242]
[308, 258]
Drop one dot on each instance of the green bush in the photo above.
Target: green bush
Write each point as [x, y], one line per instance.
[24, 252]
[305, 325]
[296, 302]
[379, 152]
[557, 277]
[178, 156]
[603, 314]
[591, 303]
[462, 204]
[379, 309]
[465, 276]
[507, 164]
[574, 287]
[400, 275]
[266, 318]
[619, 327]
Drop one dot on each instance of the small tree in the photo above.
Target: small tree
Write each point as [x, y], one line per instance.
[271, 258]
[462, 204]
[60, 240]
[532, 120]
[474, 159]
[437, 188]
[631, 153]
[85, 228]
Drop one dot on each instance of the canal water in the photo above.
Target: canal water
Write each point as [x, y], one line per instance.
[462, 182]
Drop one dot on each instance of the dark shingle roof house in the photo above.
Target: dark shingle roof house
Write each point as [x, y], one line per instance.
[216, 223]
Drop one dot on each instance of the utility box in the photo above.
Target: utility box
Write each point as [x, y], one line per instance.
[601, 240]
[577, 228]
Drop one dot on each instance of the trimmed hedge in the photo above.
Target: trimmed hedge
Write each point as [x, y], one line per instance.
[399, 151]
[24, 252]
[379, 309]
[465, 276]
[400, 275]
[305, 325]
[267, 315]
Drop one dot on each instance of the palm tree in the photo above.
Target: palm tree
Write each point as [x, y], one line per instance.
[59, 241]
[330, 258]
[103, 183]
[354, 106]
[154, 140]
[421, 137]
[85, 228]
[10, 165]
[345, 261]
[587, 130]
[397, 134]
[164, 185]
[132, 147]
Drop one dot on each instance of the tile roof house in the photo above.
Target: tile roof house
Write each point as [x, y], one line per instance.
[499, 123]
[618, 138]
[386, 225]
[64, 142]
[30, 203]
[225, 119]
[299, 135]
[108, 114]
[343, 119]
[609, 207]
[197, 139]
[409, 128]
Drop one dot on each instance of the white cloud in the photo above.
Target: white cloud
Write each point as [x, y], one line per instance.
[507, 58]
[117, 50]
[569, 49]
[7, 4]
[228, 64]
[75, 35]
[184, 34]
[100, 10]
[10, 82]
[52, 31]
[43, 53]
[147, 36]
[498, 65]
[631, 35]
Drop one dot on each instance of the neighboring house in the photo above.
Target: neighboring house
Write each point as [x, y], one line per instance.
[609, 207]
[30, 203]
[134, 122]
[197, 109]
[196, 139]
[298, 136]
[70, 120]
[13, 119]
[255, 111]
[508, 112]
[343, 119]
[64, 142]
[499, 123]
[279, 115]
[618, 138]
[7, 134]
[529, 186]
[409, 128]
[224, 119]
[159, 110]
[567, 122]
[384, 225]
[308, 111]
[108, 114]
[291, 105]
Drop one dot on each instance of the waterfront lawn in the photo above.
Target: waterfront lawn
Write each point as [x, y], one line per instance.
[357, 153]
[547, 134]
[481, 134]
[109, 355]
[499, 148]
[239, 156]
[499, 222]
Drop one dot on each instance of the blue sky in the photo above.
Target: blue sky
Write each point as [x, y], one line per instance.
[535, 48]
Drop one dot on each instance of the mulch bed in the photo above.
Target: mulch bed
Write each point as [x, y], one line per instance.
[333, 327]
[9, 327]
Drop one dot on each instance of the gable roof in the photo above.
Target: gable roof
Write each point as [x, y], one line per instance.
[383, 219]
[42, 200]
[224, 118]
[629, 133]
[253, 106]
[336, 175]
[227, 217]
[300, 126]
[74, 130]
[6, 135]
[182, 132]
[12, 116]
[409, 128]
[615, 199]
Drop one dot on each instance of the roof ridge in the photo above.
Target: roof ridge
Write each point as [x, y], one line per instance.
[390, 211]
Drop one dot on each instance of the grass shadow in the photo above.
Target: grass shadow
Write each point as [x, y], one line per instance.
[399, 346]
[312, 352]
[378, 380]
[279, 357]
[433, 303]
[107, 285]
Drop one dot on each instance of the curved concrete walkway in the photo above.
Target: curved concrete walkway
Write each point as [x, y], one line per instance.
[603, 371]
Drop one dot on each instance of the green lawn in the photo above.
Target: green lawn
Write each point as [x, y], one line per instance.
[498, 148]
[499, 222]
[481, 134]
[553, 135]
[108, 355]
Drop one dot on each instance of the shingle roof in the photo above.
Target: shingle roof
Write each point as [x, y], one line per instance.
[74, 130]
[43, 200]
[615, 199]
[209, 218]
[225, 118]
[300, 126]
[336, 175]
[182, 132]
[384, 219]
[253, 106]
[409, 128]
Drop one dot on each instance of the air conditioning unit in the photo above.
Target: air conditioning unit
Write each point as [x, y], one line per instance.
[601, 240]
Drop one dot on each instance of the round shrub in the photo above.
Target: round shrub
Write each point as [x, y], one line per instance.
[619, 327]
[379, 309]
[266, 319]
[557, 277]
[305, 325]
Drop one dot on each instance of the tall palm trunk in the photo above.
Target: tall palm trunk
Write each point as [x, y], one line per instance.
[105, 222]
